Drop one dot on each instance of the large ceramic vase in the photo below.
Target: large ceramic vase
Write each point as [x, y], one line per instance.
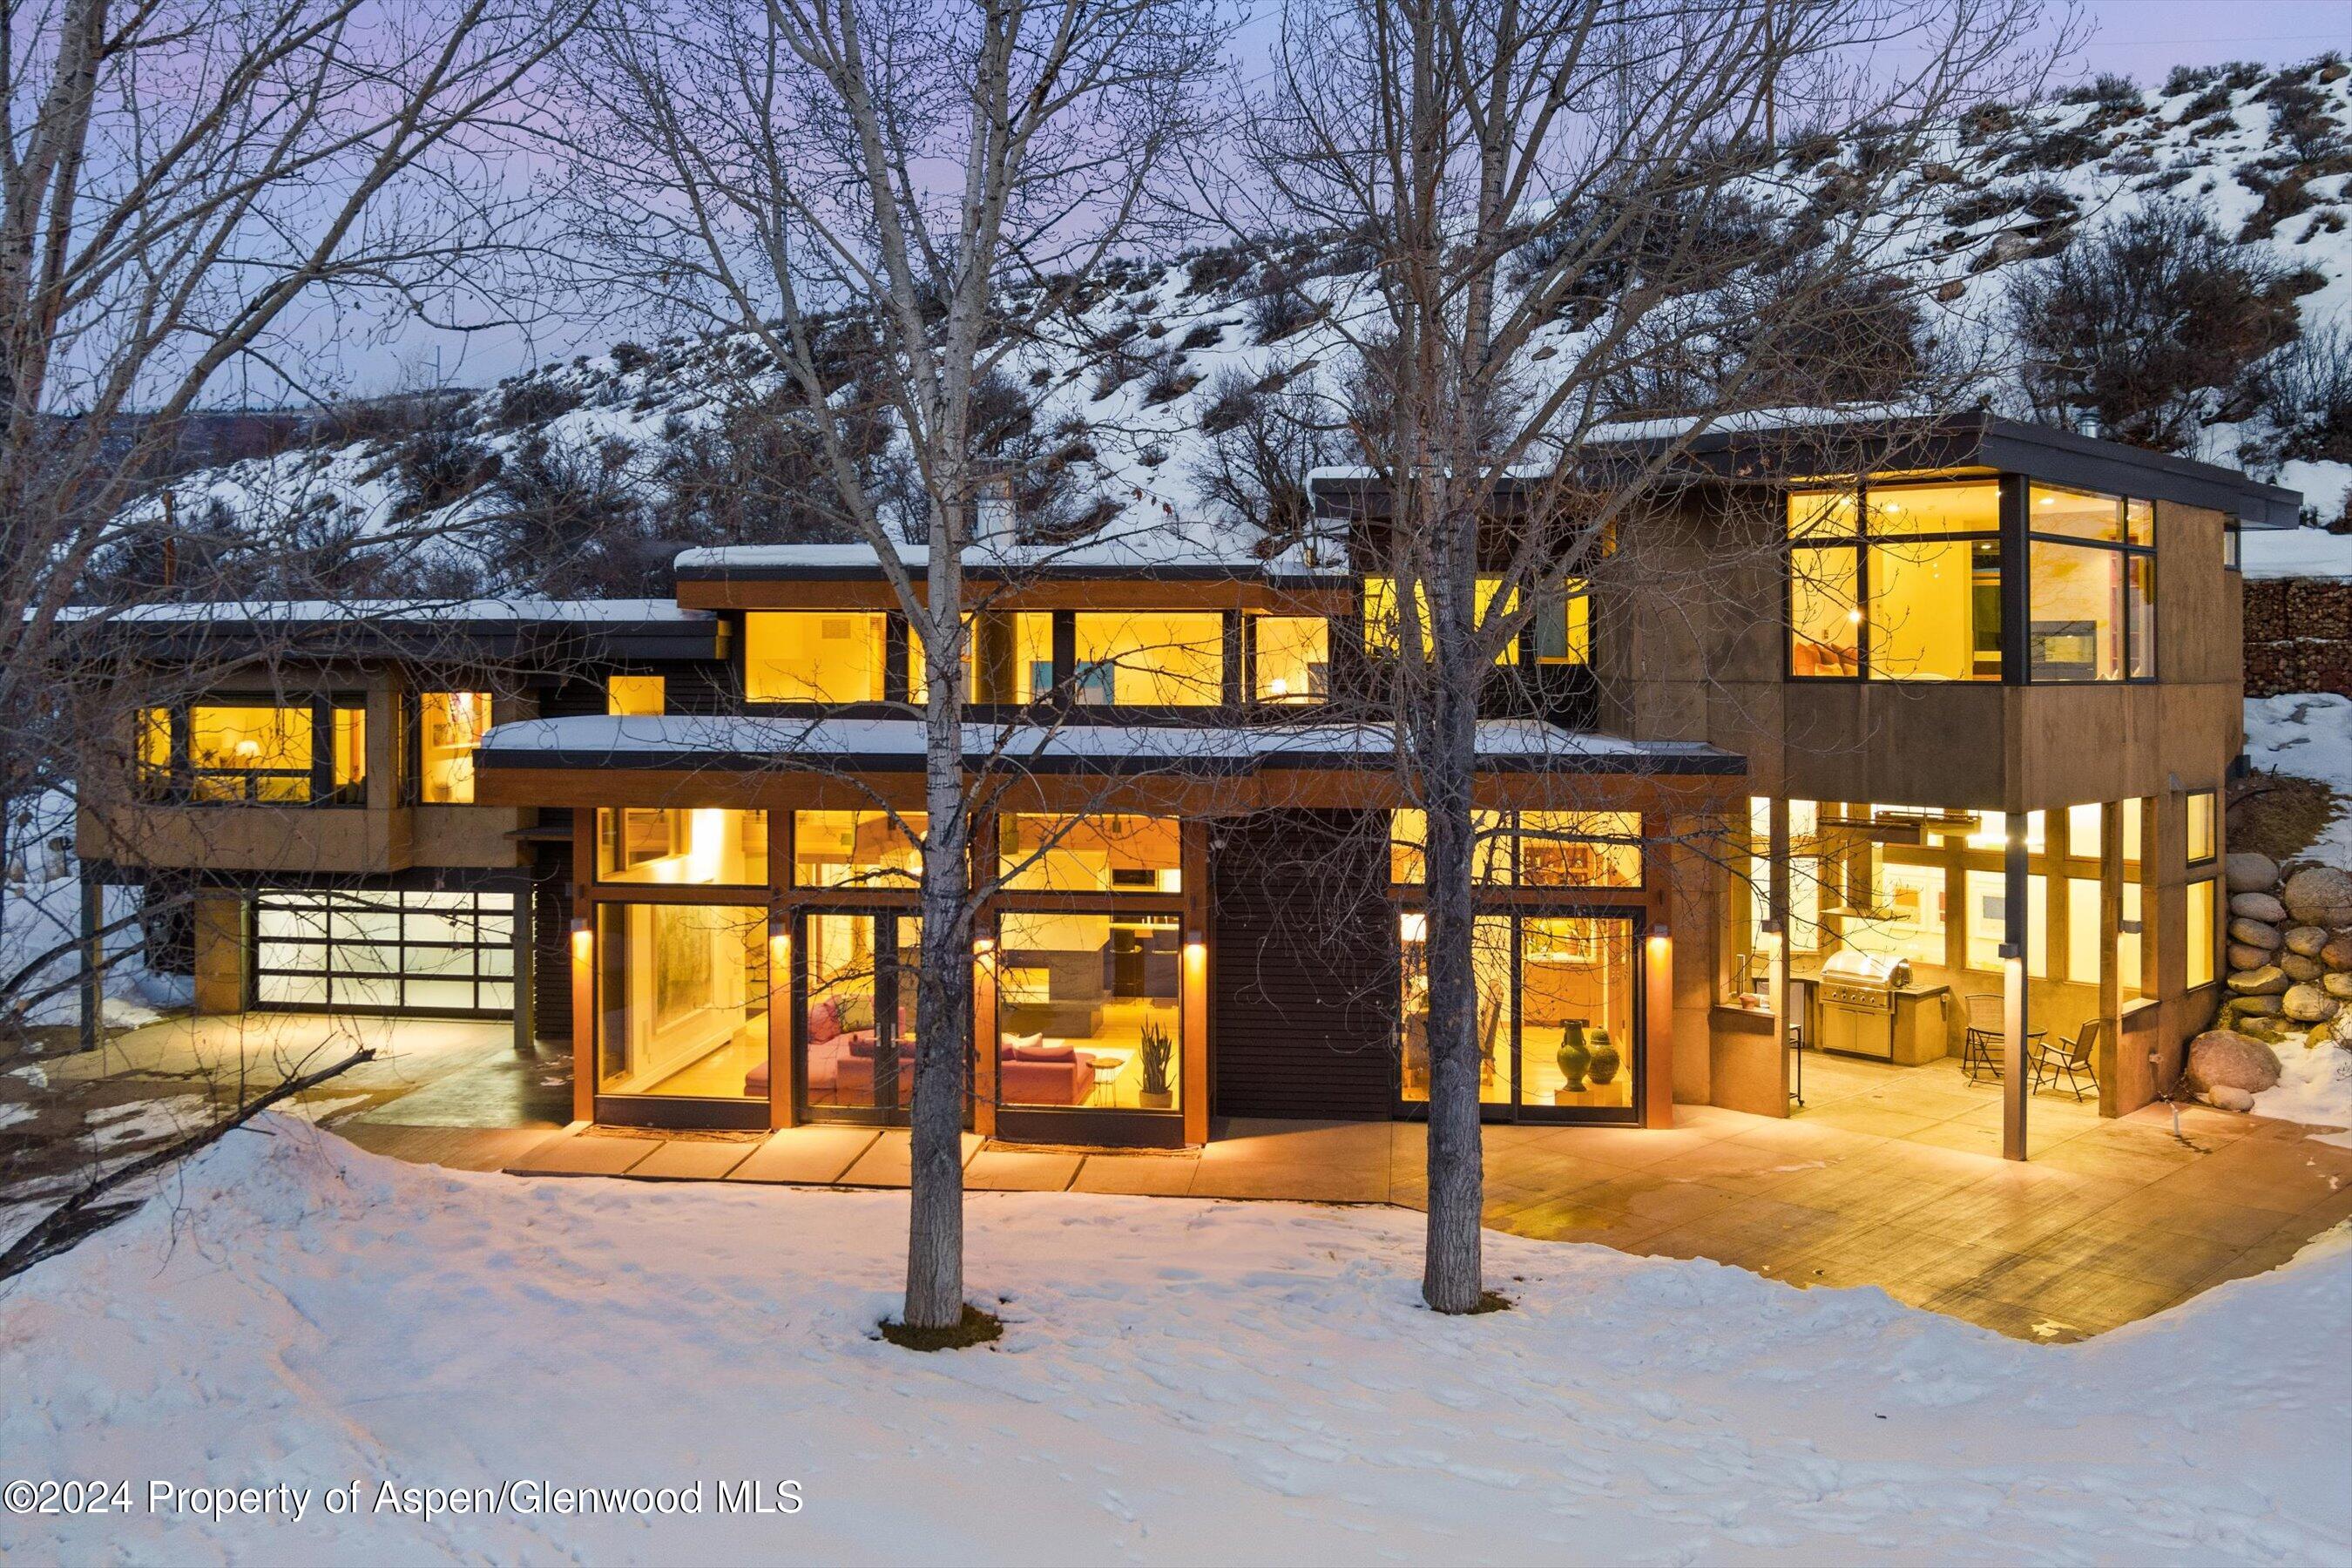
[1605, 1059]
[1575, 1057]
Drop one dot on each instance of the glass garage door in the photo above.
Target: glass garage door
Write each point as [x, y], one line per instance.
[384, 951]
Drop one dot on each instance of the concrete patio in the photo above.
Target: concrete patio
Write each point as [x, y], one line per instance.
[1887, 1176]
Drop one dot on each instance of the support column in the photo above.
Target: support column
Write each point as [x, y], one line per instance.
[2016, 932]
[2111, 921]
[220, 952]
[1777, 928]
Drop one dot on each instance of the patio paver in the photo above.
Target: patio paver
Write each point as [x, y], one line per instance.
[585, 1154]
[815, 1155]
[702, 1159]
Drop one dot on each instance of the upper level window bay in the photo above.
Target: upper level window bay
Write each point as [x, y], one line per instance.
[1897, 582]
[1916, 580]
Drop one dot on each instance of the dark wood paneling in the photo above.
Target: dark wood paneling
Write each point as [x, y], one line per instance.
[551, 941]
[1302, 969]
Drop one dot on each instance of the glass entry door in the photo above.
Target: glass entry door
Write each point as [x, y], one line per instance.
[1558, 1021]
[855, 986]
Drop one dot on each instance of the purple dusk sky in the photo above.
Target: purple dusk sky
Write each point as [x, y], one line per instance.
[2140, 38]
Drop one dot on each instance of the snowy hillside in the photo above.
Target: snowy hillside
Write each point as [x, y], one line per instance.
[655, 449]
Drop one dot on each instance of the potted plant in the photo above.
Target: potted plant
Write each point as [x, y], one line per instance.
[1157, 1051]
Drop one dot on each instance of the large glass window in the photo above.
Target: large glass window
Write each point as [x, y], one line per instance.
[1906, 915]
[1576, 1012]
[258, 752]
[2091, 586]
[1384, 625]
[1008, 657]
[254, 753]
[450, 727]
[856, 849]
[2202, 901]
[1987, 922]
[1098, 853]
[1897, 582]
[857, 1037]
[1089, 1010]
[1490, 960]
[1151, 660]
[1293, 658]
[1531, 848]
[701, 848]
[814, 655]
[683, 1000]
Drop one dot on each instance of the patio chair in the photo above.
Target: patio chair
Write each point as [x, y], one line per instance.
[2074, 1059]
[1983, 1046]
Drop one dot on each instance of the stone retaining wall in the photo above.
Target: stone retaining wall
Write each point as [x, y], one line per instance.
[2298, 636]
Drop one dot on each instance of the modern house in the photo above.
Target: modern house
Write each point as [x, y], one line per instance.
[1931, 773]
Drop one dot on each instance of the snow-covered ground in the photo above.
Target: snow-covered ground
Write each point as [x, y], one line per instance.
[1178, 1381]
[2308, 734]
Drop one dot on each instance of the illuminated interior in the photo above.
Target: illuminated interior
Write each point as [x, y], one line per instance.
[251, 753]
[1547, 1042]
[701, 848]
[1897, 582]
[683, 1000]
[1530, 848]
[450, 726]
[1150, 659]
[856, 849]
[1008, 657]
[635, 696]
[1294, 659]
[1926, 886]
[1384, 622]
[858, 1034]
[1100, 854]
[1089, 1010]
[814, 655]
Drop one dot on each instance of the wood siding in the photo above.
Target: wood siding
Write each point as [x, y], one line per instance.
[1303, 988]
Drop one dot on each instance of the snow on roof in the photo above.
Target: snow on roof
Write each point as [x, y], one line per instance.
[525, 607]
[789, 741]
[1167, 545]
[2294, 552]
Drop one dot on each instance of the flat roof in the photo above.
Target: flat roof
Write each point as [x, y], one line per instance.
[747, 742]
[647, 628]
[1787, 445]
[1173, 551]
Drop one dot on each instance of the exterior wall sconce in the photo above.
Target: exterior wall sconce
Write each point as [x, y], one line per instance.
[581, 939]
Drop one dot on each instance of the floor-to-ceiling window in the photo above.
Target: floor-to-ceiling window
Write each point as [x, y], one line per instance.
[1555, 974]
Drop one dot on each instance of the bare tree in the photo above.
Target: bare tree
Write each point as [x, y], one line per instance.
[182, 183]
[891, 199]
[1573, 216]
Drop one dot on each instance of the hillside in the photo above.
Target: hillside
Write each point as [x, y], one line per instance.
[1164, 401]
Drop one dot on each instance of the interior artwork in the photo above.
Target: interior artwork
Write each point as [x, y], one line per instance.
[682, 999]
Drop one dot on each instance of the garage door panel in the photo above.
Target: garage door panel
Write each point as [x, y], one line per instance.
[426, 952]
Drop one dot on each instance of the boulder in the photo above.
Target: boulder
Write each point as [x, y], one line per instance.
[2250, 873]
[2339, 986]
[2249, 1007]
[2338, 953]
[2298, 967]
[2319, 896]
[2225, 1059]
[2243, 957]
[2254, 933]
[2308, 1004]
[2224, 1097]
[2306, 940]
[2270, 979]
[2258, 907]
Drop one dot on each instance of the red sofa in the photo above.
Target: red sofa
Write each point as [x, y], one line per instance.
[1029, 1072]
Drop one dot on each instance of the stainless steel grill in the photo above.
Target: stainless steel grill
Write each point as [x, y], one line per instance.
[1857, 992]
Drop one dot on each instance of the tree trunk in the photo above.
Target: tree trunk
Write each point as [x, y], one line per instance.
[943, 1006]
[1452, 1276]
